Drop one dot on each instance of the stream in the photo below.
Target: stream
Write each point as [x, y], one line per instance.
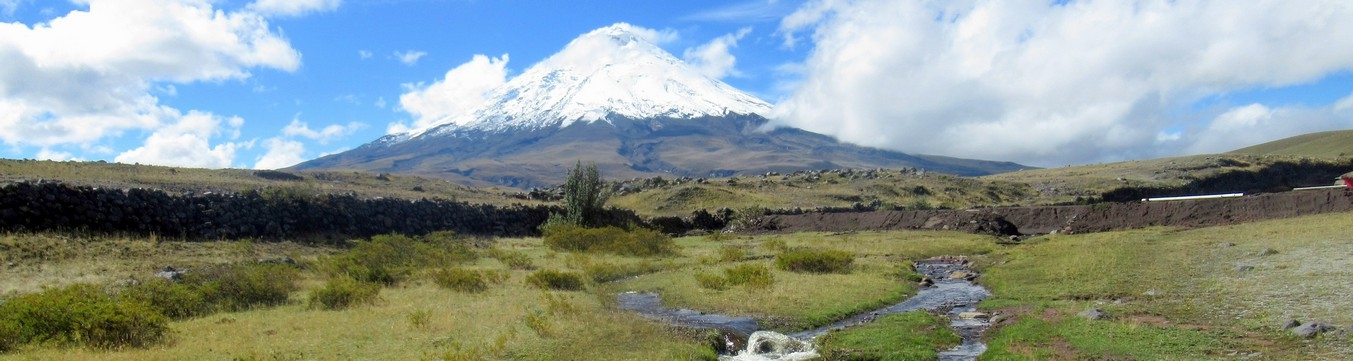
[948, 289]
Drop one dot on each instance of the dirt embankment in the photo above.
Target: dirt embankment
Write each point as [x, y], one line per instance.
[1078, 219]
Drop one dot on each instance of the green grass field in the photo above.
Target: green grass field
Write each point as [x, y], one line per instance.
[1174, 294]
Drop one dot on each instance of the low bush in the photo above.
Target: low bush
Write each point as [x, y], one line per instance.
[815, 261]
[460, 279]
[340, 293]
[513, 259]
[249, 285]
[775, 245]
[178, 300]
[749, 275]
[638, 242]
[80, 314]
[390, 259]
[555, 280]
[731, 254]
[9, 335]
[711, 281]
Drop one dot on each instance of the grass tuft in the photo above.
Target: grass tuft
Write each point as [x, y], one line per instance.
[815, 261]
[556, 280]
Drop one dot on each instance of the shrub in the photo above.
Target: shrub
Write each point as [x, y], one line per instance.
[731, 254]
[638, 242]
[80, 314]
[9, 335]
[583, 196]
[390, 259]
[460, 279]
[775, 244]
[249, 285]
[711, 281]
[815, 261]
[555, 280]
[342, 292]
[178, 300]
[513, 259]
[750, 275]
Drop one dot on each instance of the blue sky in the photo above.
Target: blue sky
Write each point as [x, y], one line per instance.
[268, 83]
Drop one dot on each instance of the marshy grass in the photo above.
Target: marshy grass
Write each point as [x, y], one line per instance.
[915, 335]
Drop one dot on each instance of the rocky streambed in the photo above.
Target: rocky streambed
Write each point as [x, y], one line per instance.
[947, 287]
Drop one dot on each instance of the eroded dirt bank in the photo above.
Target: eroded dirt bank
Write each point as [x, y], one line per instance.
[1077, 219]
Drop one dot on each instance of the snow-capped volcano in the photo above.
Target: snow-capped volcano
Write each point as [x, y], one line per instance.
[612, 71]
[614, 98]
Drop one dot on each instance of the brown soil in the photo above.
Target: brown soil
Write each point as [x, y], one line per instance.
[1012, 221]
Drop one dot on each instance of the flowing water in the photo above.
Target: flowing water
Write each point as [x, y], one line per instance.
[951, 291]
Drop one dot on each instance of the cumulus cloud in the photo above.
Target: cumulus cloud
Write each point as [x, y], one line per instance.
[187, 143]
[410, 57]
[89, 75]
[1050, 83]
[459, 91]
[298, 128]
[293, 7]
[48, 154]
[281, 153]
[713, 58]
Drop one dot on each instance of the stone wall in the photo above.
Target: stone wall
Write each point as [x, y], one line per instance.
[267, 214]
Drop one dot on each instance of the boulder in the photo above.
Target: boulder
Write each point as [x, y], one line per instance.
[1311, 329]
[1094, 314]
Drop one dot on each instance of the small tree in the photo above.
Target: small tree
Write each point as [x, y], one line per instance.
[583, 195]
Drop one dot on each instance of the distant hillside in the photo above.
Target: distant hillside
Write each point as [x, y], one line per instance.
[1330, 144]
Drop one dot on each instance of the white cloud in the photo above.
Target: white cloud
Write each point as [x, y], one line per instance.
[298, 128]
[655, 36]
[713, 59]
[293, 7]
[1050, 84]
[1252, 124]
[89, 75]
[410, 57]
[364, 55]
[47, 154]
[281, 153]
[461, 90]
[1345, 104]
[186, 143]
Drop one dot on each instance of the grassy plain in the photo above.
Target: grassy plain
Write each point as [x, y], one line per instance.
[1210, 293]
[1174, 294]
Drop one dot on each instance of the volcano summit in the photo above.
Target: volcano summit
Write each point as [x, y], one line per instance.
[614, 98]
